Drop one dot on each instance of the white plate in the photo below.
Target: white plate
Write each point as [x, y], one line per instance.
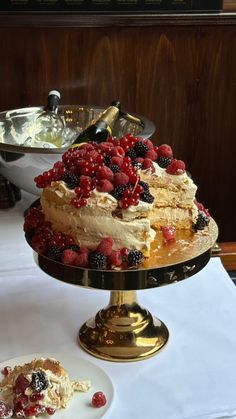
[78, 369]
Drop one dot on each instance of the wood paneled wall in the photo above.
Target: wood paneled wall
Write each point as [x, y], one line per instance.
[183, 78]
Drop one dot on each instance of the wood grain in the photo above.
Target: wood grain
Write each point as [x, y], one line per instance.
[180, 77]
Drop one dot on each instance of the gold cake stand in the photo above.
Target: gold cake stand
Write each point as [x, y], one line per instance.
[123, 330]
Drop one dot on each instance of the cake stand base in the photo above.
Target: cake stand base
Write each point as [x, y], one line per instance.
[123, 331]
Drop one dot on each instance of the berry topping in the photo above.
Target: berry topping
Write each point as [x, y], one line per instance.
[115, 258]
[147, 197]
[82, 260]
[169, 233]
[202, 221]
[176, 167]
[105, 185]
[5, 411]
[164, 150]
[6, 370]
[39, 381]
[120, 179]
[164, 161]
[135, 257]
[69, 256]
[118, 192]
[70, 179]
[99, 399]
[50, 411]
[54, 252]
[141, 149]
[21, 384]
[97, 260]
[115, 168]
[106, 246]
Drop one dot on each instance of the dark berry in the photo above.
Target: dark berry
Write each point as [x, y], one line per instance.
[54, 252]
[131, 153]
[141, 149]
[202, 221]
[147, 197]
[118, 192]
[39, 381]
[97, 260]
[70, 179]
[164, 161]
[115, 168]
[135, 257]
[144, 185]
[74, 247]
[107, 160]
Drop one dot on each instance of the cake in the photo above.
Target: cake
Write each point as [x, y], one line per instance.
[103, 204]
[40, 387]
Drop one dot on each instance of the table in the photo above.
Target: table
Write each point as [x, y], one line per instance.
[193, 377]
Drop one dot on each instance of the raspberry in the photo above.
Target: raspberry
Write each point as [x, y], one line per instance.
[149, 143]
[70, 179]
[148, 164]
[117, 160]
[21, 401]
[106, 246]
[69, 256]
[105, 185]
[164, 150]
[117, 152]
[135, 257]
[97, 260]
[176, 167]
[151, 154]
[169, 233]
[147, 197]
[105, 173]
[82, 260]
[164, 161]
[5, 411]
[115, 258]
[21, 384]
[120, 179]
[99, 399]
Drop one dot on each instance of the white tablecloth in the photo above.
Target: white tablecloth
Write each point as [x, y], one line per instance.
[193, 377]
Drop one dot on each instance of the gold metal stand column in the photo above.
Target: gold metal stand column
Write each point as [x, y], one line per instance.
[123, 331]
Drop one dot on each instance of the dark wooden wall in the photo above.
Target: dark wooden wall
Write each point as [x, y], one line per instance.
[182, 77]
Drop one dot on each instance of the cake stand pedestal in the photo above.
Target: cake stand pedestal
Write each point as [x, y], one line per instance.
[124, 331]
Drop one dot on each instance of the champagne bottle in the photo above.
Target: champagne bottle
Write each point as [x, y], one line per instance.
[49, 124]
[101, 129]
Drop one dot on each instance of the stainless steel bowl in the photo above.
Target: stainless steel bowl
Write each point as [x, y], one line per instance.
[21, 163]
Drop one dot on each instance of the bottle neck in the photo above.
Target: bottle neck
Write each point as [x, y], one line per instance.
[53, 103]
[109, 116]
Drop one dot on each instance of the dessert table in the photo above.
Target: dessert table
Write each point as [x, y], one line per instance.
[194, 377]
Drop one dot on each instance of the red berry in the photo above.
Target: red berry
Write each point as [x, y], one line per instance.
[105, 173]
[149, 144]
[176, 167]
[81, 259]
[99, 399]
[104, 185]
[148, 164]
[164, 150]
[115, 258]
[118, 152]
[50, 411]
[124, 252]
[69, 256]
[151, 154]
[21, 384]
[120, 179]
[31, 410]
[21, 401]
[36, 396]
[169, 233]
[106, 246]
[6, 370]
[117, 160]
[5, 411]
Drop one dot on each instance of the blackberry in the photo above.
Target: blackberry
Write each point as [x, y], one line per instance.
[135, 257]
[147, 197]
[70, 179]
[97, 260]
[202, 221]
[39, 381]
[115, 168]
[144, 185]
[164, 161]
[54, 252]
[131, 153]
[74, 247]
[107, 160]
[118, 192]
[141, 149]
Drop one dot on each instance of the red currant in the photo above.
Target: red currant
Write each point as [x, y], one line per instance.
[99, 399]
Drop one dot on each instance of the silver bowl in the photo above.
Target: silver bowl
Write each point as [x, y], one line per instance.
[21, 163]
